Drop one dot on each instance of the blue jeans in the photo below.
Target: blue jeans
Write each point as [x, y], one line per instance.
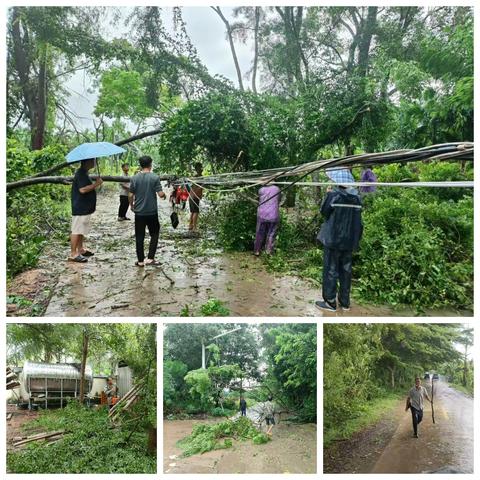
[244, 412]
[417, 416]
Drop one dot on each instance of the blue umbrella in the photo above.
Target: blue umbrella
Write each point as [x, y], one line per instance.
[86, 151]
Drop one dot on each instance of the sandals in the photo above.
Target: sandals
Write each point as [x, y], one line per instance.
[152, 262]
[139, 264]
[78, 259]
[88, 253]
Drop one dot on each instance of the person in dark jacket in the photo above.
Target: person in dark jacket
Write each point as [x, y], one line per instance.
[340, 235]
[243, 406]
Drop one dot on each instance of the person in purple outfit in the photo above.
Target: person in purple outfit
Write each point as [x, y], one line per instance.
[368, 176]
[268, 218]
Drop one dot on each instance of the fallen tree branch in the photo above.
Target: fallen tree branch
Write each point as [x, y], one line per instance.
[59, 166]
[26, 182]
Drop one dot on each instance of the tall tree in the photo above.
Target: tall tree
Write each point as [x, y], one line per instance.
[219, 12]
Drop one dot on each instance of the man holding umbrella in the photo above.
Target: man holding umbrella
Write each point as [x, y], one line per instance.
[84, 202]
[84, 196]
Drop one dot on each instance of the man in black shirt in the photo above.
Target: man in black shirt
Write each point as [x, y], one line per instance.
[84, 202]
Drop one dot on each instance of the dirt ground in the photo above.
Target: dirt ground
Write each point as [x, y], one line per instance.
[190, 274]
[293, 449]
[445, 446]
[16, 423]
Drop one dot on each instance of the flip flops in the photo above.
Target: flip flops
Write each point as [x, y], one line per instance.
[87, 253]
[78, 259]
[140, 264]
[152, 262]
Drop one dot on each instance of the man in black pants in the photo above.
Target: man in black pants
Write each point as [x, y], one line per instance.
[340, 235]
[144, 188]
[123, 190]
[415, 404]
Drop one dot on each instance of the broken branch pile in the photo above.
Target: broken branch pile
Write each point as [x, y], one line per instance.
[12, 379]
[125, 402]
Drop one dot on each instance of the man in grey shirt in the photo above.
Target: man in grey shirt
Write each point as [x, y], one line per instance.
[144, 188]
[415, 404]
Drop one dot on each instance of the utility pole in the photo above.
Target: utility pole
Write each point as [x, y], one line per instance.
[218, 336]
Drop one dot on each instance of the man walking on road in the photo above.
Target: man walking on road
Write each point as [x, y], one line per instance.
[144, 188]
[269, 409]
[415, 403]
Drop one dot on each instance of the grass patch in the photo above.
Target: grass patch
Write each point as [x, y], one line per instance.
[369, 414]
[89, 446]
[467, 390]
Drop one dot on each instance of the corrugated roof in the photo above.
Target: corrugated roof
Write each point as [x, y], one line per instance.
[55, 370]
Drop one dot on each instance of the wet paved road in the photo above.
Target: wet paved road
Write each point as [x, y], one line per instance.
[111, 285]
[443, 447]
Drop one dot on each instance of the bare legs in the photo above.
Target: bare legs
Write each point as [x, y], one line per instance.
[193, 222]
[76, 245]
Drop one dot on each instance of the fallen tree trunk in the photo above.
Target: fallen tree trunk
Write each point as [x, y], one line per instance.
[26, 182]
[59, 166]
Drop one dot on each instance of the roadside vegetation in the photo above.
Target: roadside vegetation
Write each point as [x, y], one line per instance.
[369, 367]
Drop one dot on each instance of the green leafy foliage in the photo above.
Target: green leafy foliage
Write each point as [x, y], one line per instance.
[205, 438]
[422, 238]
[122, 94]
[89, 446]
[36, 213]
[292, 353]
[214, 308]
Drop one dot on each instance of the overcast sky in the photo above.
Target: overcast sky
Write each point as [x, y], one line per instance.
[207, 33]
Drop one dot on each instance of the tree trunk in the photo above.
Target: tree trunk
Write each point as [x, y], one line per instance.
[22, 66]
[464, 379]
[232, 46]
[392, 377]
[291, 197]
[83, 365]
[366, 40]
[255, 58]
[40, 115]
[318, 189]
[152, 440]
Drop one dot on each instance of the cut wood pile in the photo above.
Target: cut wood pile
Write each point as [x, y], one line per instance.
[125, 402]
[48, 436]
[12, 379]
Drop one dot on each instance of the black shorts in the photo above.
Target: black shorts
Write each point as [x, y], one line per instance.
[270, 420]
[194, 205]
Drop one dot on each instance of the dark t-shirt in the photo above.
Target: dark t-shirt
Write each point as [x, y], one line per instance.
[82, 203]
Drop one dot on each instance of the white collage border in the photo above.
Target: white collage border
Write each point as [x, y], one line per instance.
[163, 321]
